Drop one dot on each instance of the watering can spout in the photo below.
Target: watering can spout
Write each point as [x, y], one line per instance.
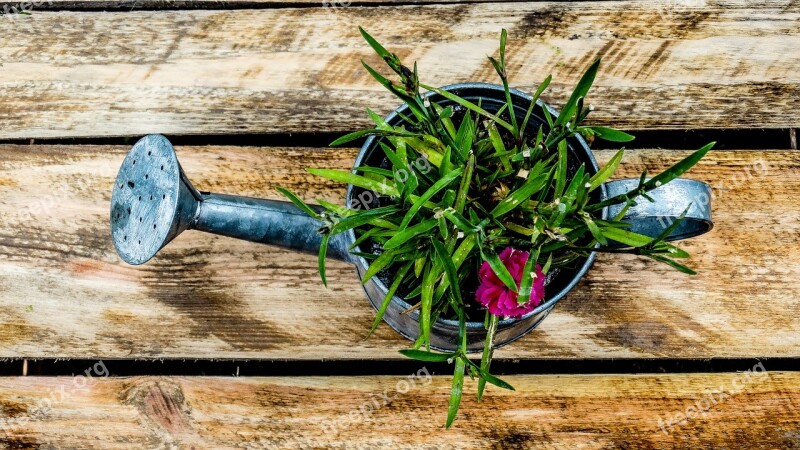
[153, 202]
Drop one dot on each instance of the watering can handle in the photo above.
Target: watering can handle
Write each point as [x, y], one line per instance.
[652, 218]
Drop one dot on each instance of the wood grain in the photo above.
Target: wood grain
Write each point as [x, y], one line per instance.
[66, 294]
[552, 412]
[728, 64]
[133, 5]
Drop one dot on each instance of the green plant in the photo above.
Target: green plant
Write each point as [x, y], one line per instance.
[492, 182]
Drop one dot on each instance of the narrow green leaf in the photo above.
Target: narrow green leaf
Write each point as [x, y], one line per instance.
[412, 102]
[531, 186]
[382, 52]
[528, 276]
[503, 38]
[366, 255]
[501, 71]
[401, 151]
[426, 302]
[361, 218]
[332, 207]
[370, 132]
[377, 75]
[383, 223]
[674, 264]
[459, 221]
[394, 158]
[519, 229]
[367, 170]
[414, 231]
[364, 236]
[448, 199]
[456, 391]
[459, 256]
[672, 250]
[438, 186]
[488, 349]
[581, 89]
[546, 267]
[379, 264]
[536, 96]
[491, 379]
[673, 226]
[449, 270]
[299, 203]
[626, 237]
[466, 135]
[463, 187]
[421, 355]
[385, 187]
[446, 166]
[596, 233]
[429, 148]
[457, 388]
[605, 173]
[499, 147]
[469, 105]
[612, 135]
[448, 125]
[323, 249]
[497, 67]
[419, 264]
[499, 269]
[444, 230]
[561, 169]
[571, 194]
[464, 249]
[380, 123]
[547, 116]
[678, 169]
[537, 149]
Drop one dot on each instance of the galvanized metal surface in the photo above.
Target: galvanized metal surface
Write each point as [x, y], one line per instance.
[266, 221]
[444, 333]
[671, 200]
[153, 201]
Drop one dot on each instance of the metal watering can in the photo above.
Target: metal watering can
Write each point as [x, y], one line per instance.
[153, 202]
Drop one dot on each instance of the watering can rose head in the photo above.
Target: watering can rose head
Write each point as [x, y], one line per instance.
[509, 196]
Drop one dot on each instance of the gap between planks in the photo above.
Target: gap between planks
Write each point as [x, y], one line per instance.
[373, 367]
[678, 139]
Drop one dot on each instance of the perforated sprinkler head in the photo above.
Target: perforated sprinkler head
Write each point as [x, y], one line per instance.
[152, 201]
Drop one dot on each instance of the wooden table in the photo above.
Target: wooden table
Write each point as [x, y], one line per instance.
[224, 344]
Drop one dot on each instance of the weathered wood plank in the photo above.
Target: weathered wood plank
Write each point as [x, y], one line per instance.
[31, 6]
[297, 69]
[65, 293]
[733, 411]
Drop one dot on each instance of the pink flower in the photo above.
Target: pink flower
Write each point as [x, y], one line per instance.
[499, 299]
